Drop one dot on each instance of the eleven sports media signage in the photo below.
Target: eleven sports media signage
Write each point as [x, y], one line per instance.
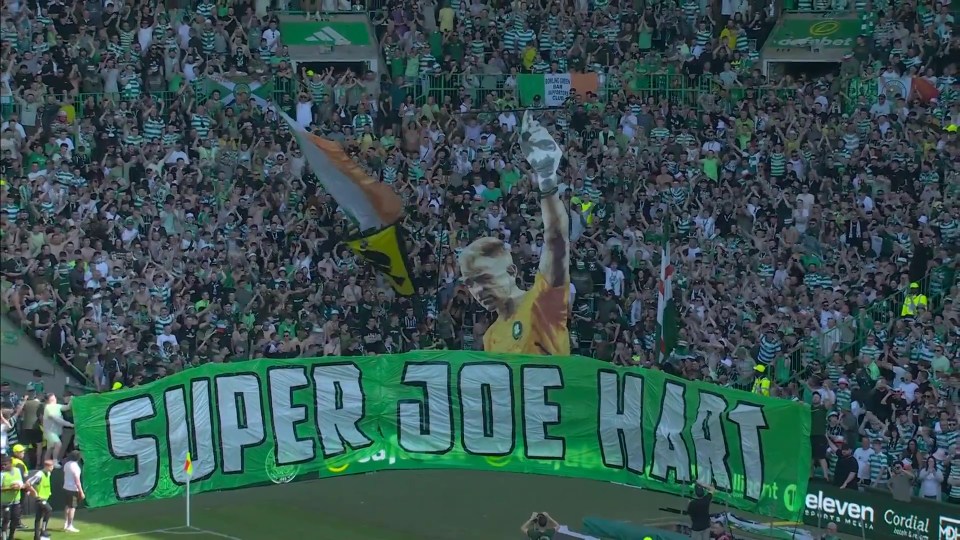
[262, 421]
[876, 515]
[820, 33]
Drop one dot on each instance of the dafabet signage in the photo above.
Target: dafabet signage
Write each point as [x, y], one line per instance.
[823, 34]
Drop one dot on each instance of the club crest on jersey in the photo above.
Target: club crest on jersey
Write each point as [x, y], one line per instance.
[517, 330]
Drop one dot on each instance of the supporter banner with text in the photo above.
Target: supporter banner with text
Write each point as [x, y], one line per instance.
[274, 421]
[553, 89]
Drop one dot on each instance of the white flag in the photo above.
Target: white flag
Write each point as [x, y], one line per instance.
[893, 85]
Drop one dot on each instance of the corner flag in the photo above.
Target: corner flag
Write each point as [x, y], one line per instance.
[188, 468]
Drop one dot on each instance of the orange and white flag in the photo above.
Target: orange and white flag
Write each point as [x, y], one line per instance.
[371, 204]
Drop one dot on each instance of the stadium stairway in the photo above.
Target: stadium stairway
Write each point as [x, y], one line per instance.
[19, 356]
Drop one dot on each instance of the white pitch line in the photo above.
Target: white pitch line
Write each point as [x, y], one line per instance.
[128, 535]
[219, 535]
[191, 531]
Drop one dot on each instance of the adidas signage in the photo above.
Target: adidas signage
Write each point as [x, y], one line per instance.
[328, 35]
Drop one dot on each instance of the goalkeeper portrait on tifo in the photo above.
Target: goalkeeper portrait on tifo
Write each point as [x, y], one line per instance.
[532, 321]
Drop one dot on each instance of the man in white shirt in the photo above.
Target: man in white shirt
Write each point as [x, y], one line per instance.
[706, 223]
[15, 126]
[272, 35]
[629, 123]
[711, 145]
[826, 315]
[183, 35]
[73, 489]
[907, 386]
[614, 280]
[173, 156]
[508, 121]
[493, 217]
[862, 455]
[61, 141]
[881, 107]
[636, 309]
[166, 337]
[37, 172]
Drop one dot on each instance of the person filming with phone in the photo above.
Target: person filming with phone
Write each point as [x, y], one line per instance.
[699, 511]
[540, 526]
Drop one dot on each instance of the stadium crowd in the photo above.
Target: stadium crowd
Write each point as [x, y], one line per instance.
[149, 226]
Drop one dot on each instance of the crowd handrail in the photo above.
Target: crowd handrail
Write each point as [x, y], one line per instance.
[298, 8]
[11, 337]
[883, 309]
[677, 88]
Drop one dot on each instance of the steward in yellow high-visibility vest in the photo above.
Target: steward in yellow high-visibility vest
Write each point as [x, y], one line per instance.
[11, 484]
[585, 208]
[915, 299]
[40, 480]
[16, 461]
[761, 384]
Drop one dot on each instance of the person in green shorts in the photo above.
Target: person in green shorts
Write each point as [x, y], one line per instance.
[540, 526]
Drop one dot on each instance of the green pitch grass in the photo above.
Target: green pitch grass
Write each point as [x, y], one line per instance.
[394, 505]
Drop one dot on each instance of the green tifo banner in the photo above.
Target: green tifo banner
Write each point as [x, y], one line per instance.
[275, 421]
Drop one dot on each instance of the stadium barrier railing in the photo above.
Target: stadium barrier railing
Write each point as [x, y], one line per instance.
[676, 88]
[13, 336]
[936, 285]
[86, 103]
[300, 7]
[818, 7]
[796, 9]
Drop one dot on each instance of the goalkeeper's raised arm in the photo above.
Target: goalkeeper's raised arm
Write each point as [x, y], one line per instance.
[543, 154]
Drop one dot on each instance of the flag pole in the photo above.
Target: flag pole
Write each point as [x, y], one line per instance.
[188, 501]
[665, 255]
[188, 469]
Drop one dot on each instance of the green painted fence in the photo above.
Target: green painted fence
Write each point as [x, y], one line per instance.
[196, 92]
[936, 284]
[677, 89]
[301, 7]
